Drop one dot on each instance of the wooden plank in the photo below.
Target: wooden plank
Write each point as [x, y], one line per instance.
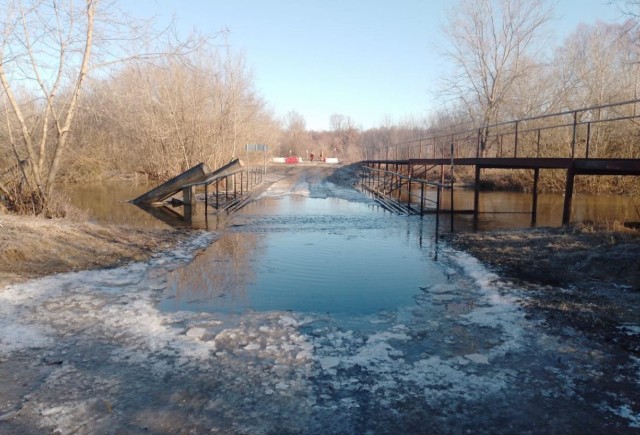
[607, 166]
[228, 169]
[198, 175]
[501, 162]
[171, 187]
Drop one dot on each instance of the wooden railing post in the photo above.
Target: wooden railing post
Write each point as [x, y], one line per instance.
[588, 140]
[515, 142]
[573, 139]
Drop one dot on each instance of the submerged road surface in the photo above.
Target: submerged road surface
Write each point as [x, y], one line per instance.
[213, 337]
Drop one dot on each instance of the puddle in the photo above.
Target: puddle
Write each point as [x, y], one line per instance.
[311, 255]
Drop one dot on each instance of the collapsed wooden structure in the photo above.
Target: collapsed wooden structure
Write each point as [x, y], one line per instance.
[227, 189]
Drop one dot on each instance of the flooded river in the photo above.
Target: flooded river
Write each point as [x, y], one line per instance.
[108, 204]
[311, 311]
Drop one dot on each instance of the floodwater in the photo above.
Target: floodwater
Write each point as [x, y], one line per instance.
[108, 204]
[314, 311]
[325, 255]
[513, 209]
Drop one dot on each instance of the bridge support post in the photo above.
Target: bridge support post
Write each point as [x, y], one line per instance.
[452, 182]
[568, 196]
[534, 205]
[476, 195]
[421, 199]
[438, 196]
[188, 195]
[188, 212]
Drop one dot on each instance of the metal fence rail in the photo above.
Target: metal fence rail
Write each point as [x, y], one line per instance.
[399, 192]
[231, 192]
[589, 132]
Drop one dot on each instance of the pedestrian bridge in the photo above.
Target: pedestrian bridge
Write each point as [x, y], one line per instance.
[598, 140]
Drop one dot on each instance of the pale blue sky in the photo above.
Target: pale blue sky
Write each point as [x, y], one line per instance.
[368, 60]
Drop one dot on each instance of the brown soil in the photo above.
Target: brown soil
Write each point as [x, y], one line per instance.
[579, 276]
[34, 247]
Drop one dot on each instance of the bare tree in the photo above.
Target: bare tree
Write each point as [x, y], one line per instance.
[594, 59]
[295, 138]
[47, 45]
[346, 136]
[48, 49]
[630, 8]
[489, 43]
[160, 117]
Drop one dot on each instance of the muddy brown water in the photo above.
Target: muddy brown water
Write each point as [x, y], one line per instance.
[279, 244]
[108, 203]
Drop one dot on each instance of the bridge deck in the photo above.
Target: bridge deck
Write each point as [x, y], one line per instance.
[579, 166]
[573, 167]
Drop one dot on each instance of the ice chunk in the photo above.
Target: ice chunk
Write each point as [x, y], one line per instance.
[288, 321]
[196, 333]
[477, 358]
[443, 298]
[328, 362]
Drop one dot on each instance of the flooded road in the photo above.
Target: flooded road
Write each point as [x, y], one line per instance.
[313, 312]
[313, 255]
[107, 203]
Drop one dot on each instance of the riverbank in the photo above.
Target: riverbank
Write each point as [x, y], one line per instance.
[584, 277]
[33, 247]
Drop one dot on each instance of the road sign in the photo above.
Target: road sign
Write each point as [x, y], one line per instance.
[255, 147]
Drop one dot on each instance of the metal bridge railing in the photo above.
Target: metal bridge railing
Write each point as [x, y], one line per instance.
[401, 193]
[229, 192]
[602, 131]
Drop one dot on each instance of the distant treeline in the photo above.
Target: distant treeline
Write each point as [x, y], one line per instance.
[90, 93]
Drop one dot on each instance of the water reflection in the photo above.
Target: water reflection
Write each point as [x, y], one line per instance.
[324, 255]
[219, 276]
[310, 255]
[513, 209]
[108, 203]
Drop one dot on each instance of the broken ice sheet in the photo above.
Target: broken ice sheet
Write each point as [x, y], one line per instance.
[124, 362]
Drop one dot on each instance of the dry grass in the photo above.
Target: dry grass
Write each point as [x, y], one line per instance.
[608, 252]
[33, 247]
[590, 273]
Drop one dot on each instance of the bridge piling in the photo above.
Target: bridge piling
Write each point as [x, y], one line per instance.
[534, 205]
[476, 195]
[568, 196]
